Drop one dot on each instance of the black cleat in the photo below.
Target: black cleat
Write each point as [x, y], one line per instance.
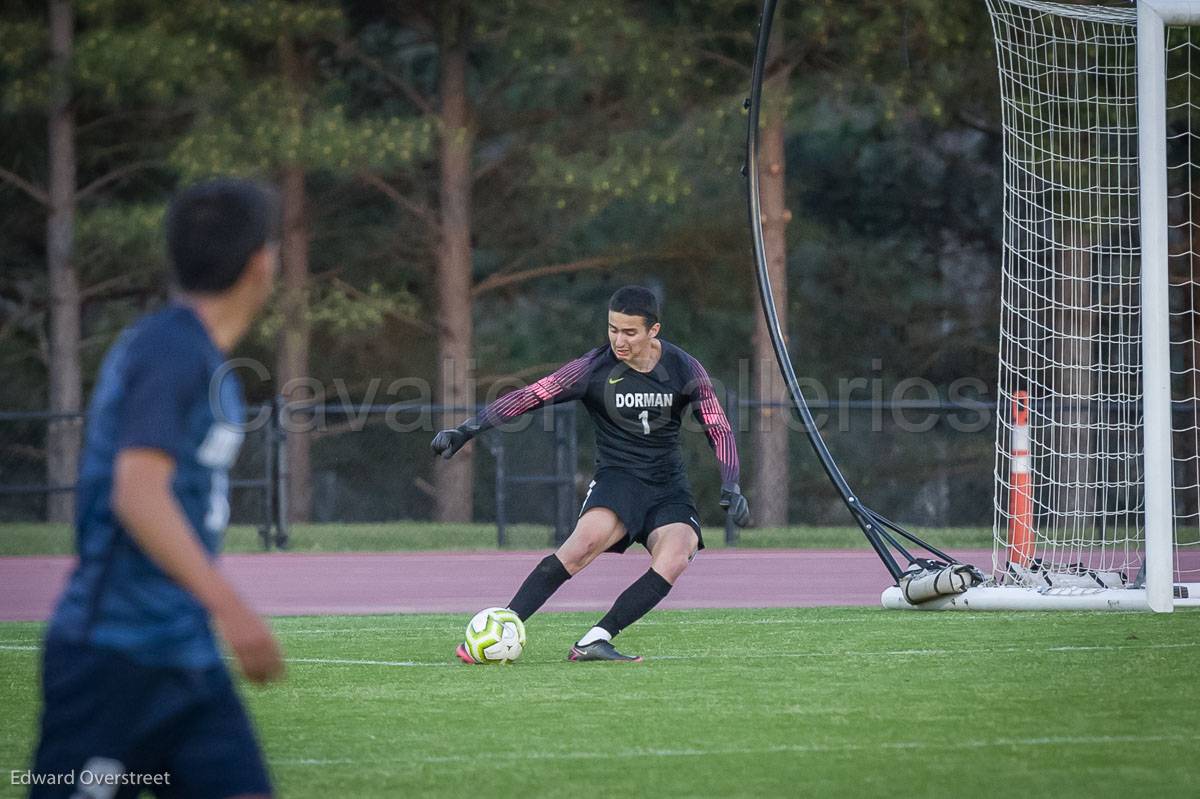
[600, 650]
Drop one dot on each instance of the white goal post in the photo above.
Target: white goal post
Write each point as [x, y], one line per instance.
[1098, 418]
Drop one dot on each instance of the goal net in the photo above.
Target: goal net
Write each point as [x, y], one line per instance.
[1097, 501]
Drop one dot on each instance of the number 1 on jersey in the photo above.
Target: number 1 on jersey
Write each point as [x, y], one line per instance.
[644, 416]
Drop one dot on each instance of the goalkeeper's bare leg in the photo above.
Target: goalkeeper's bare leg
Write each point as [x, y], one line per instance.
[672, 548]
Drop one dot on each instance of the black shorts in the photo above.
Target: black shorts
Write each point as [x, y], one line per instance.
[104, 714]
[642, 507]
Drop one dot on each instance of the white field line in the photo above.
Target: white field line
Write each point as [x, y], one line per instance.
[994, 743]
[549, 620]
[887, 653]
[909, 652]
[773, 656]
[281, 624]
[351, 662]
[6, 647]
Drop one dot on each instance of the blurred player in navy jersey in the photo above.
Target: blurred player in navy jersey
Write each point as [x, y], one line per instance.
[132, 678]
[636, 389]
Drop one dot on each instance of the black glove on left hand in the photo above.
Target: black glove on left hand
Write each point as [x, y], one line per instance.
[735, 504]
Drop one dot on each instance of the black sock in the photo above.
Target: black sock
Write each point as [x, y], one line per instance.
[635, 602]
[546, 578]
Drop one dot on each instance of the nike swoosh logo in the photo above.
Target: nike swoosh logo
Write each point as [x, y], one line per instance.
[612, 382]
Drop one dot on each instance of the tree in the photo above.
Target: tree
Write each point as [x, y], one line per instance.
[66, 80]
[597, 143]
[770, 431]
[277, 117]
[292, 362]
[454, 268]
[66, 385]
[59, 201]
[479, 73]
[880, 125]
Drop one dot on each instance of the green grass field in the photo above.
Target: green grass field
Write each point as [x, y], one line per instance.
[813, 702]
[56, 539]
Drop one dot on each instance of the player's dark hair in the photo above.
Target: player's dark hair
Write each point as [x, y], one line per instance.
[635, 301]
[214, 228]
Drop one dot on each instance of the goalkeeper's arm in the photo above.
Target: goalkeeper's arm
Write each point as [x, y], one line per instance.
[563, 385]
[707, 407]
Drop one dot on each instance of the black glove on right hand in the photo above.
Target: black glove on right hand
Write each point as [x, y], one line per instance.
[735, 504]
[448, 442]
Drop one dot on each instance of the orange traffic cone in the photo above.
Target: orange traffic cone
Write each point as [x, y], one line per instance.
[1020, 502]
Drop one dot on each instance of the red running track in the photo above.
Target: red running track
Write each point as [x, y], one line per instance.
[295, 584]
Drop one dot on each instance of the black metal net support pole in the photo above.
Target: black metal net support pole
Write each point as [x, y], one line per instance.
[269, 521]
[572, 464]
[497, 448]
[562, 475]
[281, 471]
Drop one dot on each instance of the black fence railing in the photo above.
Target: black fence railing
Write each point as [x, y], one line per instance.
[256, 483]
[372, 463]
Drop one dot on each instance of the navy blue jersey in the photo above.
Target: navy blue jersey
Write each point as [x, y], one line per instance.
[161, 387]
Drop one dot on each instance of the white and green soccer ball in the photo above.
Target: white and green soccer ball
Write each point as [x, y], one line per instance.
[495, 635]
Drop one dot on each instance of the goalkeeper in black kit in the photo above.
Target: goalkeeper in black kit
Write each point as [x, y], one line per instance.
[636, 390]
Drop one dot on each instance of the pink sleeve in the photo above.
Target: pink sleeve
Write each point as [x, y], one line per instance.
[716, 426]
[563, 385]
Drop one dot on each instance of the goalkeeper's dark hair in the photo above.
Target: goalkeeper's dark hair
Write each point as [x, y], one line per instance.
[213, 230]
[636, 301]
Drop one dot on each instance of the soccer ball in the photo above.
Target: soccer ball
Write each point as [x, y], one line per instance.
[495, 635]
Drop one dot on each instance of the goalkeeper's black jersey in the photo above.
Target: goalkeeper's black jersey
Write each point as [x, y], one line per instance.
[637, 415]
